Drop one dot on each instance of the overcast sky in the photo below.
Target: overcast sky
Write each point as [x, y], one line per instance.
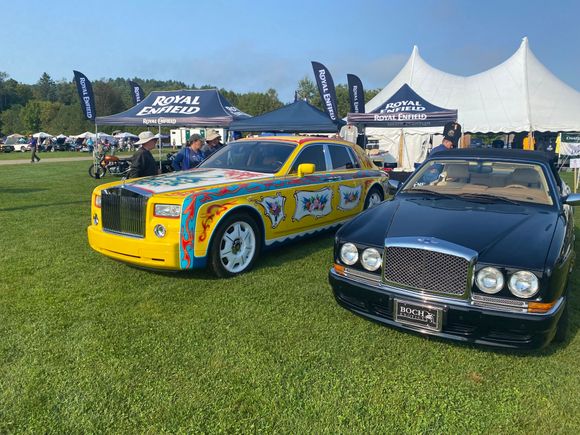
[256, 45]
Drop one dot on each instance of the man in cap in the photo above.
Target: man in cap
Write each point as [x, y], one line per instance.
[191, 155]
[212, 143]
[142, 163]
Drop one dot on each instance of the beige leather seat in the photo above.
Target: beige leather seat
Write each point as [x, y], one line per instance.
[455, 173]
[526, 177]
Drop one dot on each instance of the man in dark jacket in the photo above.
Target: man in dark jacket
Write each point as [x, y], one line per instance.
[212, 143]
[142, 163]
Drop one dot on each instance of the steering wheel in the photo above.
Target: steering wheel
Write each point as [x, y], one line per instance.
[515, 186]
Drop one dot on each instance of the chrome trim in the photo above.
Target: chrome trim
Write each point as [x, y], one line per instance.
[410, 295]
[370, 277]
[433, 244]
[500, 304]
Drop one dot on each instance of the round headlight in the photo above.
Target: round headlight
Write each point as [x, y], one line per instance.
[349, 254]
[160, 231]
[371, 259]
[524, 284]
[489, 280]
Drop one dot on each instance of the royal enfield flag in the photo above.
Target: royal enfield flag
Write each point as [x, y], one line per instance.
[356, 94]
[86, 95]
[136, 92]
[326, 90]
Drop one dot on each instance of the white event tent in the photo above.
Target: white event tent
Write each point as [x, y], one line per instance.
[518, 95]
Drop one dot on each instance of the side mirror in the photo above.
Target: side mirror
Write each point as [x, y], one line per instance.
[572, 199]
[306, 169]
[394, 185]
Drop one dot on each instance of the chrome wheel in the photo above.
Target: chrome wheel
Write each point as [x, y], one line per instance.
[373, 199]
[237, 247]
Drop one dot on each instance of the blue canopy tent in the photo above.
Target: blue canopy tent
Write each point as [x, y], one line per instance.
[300, 117]
[405, 108]
[183, 108]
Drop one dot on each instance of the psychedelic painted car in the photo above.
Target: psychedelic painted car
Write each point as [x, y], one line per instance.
[477, 246]
[252, 194]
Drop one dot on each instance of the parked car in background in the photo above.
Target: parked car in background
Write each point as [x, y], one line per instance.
[477, 246]
[6, 148]
[476, 142]
[249, 195]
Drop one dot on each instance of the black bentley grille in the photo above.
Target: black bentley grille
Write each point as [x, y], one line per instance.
[123, 212]
[426, 270]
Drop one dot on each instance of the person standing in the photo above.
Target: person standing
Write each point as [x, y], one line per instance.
[190, 156]
[142, 163]
[451, 135]
[212, 143]
[33, 149]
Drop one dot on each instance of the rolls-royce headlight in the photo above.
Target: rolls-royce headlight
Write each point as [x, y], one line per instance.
[98, 201]
[167, 210]
[349, 254]
[489, 280]
[371, 259]
[524, 284]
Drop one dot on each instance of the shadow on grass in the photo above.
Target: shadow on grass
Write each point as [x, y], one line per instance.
[54, 204]
[18, 190]
[284, 253]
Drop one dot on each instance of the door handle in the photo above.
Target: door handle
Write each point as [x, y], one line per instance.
[332, 179]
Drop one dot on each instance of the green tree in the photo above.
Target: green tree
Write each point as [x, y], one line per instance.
[31, 116]
[308, 91]
[45, 88]
[11, 120]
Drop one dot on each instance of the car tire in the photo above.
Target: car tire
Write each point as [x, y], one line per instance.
[235, 245]
[374, 197]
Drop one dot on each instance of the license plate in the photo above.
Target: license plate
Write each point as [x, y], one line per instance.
[421, 316]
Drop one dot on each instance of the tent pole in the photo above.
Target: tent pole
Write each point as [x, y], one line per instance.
[159, 140]
[95, 157]
[401, 146]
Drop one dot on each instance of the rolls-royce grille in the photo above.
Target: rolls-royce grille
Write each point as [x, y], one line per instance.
[123, 212]
[426, 270]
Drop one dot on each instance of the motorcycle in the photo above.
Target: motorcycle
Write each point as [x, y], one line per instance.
[112, 164]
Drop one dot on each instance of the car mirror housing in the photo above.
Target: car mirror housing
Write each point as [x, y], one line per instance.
[394, 185]
[306, 169]
[573, 199]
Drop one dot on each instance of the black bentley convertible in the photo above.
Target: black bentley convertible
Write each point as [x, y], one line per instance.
[476, 246]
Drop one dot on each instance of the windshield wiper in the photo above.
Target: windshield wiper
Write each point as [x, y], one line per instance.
[429, 191]
[487, 197]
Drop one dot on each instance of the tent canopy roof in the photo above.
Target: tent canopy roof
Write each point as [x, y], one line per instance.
[520, 94]
[405, 109]
[186, 107]
[299, 116]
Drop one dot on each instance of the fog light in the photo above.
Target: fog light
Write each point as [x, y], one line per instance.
[95, 219]
[160, 231]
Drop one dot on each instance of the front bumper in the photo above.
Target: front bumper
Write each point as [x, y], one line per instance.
[461, 320]
[136, 251]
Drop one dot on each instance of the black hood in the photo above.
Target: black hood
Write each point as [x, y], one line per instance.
[501, 233]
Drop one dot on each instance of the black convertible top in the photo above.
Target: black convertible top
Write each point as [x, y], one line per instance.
[495, 153]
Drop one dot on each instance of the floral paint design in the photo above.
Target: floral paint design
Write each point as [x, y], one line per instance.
[316, 204]
[274, 208]
[349, 197]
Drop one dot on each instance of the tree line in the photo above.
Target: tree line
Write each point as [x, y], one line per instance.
[54, 106]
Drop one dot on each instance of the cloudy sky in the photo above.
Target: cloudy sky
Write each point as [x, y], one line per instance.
[256, 45]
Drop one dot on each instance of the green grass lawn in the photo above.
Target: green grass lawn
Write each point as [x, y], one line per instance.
[91, 345]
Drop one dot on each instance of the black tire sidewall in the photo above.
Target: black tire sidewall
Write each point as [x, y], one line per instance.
[214, 250]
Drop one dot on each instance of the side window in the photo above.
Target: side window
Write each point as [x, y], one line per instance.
[355, 158]
[340, 157]
[312, 154]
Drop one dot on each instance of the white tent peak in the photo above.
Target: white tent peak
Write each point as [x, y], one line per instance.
[519, 94]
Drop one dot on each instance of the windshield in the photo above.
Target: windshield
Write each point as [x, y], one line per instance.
[471, 179]
[255, 156]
